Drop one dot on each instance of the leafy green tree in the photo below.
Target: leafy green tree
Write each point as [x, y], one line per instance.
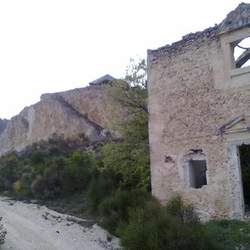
[128, 157]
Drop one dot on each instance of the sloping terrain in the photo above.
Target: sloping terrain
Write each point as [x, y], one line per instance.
[65, 115]
[33, 227]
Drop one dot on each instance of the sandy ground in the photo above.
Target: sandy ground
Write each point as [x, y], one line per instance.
[34, 227]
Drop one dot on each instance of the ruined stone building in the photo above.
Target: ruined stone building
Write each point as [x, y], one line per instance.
[199, 104]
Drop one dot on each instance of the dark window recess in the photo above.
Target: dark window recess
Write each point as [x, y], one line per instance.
[245, 173]
[197, 173]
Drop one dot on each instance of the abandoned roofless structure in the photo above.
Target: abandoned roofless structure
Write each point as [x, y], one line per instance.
[199, 104]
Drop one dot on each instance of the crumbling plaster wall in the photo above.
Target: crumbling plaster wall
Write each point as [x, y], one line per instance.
[186, 109]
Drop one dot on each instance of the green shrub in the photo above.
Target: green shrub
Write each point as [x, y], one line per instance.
[102, 184]
[53, 171]
[115, 208]
[185, 212]
[22, 186]
[232, 234]
[99, 188]
[131, 163]
[38, 187]
[158, 227]
[49, 184]
[3, 232]
[76, 174]
[37, 158]
[9, 172]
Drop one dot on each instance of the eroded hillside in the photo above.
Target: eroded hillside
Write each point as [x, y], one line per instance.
[66, 115]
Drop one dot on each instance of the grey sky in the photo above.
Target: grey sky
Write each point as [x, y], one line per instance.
[55, 45]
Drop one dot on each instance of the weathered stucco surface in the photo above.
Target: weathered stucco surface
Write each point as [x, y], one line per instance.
[191, 95]
[66, 115]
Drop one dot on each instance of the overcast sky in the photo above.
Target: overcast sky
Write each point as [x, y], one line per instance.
[56, 45]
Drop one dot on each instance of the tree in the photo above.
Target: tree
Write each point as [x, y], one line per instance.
[128, 157]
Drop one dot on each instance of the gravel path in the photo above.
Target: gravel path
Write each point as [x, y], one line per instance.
[34, 227]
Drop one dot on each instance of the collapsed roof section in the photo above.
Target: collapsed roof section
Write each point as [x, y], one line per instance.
[236, 19]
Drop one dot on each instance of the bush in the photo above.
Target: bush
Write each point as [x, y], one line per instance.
[42, 175]
[37, 158]
[9, 172]
[3, 232]
[22, 186]
[232, 234]
[184, 212]
[76, 174]
[102, 184]
[115, 209]
[99, 188]
[158, 227]
[38, 187]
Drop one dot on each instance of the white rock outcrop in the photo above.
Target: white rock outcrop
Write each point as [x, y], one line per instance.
[68, 115]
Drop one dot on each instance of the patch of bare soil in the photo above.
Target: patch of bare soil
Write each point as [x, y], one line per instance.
[35, 227]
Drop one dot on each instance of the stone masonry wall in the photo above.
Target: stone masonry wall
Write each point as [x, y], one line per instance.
[186, 110]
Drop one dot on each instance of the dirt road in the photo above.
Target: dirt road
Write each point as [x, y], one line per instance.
[34, 227]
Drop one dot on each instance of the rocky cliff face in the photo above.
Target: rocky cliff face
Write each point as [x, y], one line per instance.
[3, 124]
[67, 115]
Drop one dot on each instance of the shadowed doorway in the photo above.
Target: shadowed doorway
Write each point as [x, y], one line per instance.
[245, 171]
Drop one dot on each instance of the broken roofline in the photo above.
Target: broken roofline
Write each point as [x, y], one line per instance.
[212, 32]
[209, 32]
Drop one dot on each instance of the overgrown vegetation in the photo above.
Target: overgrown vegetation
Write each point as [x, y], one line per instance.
[3, 232]
[171, 227]
[231, 234]
[115, 209]
[112, 181]
[52, 170]
[141, 222]
[54, 177]
[128, 157]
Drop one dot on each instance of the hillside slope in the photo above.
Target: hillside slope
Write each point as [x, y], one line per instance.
[34, 227]
[65, 115]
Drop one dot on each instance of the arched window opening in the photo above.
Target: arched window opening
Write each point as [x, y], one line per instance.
[242, 53]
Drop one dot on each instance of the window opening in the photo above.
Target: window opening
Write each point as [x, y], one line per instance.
[244, 151]
[197, 173]
[242, 53]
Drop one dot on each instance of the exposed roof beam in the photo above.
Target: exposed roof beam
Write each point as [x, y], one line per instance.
[244, 57]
